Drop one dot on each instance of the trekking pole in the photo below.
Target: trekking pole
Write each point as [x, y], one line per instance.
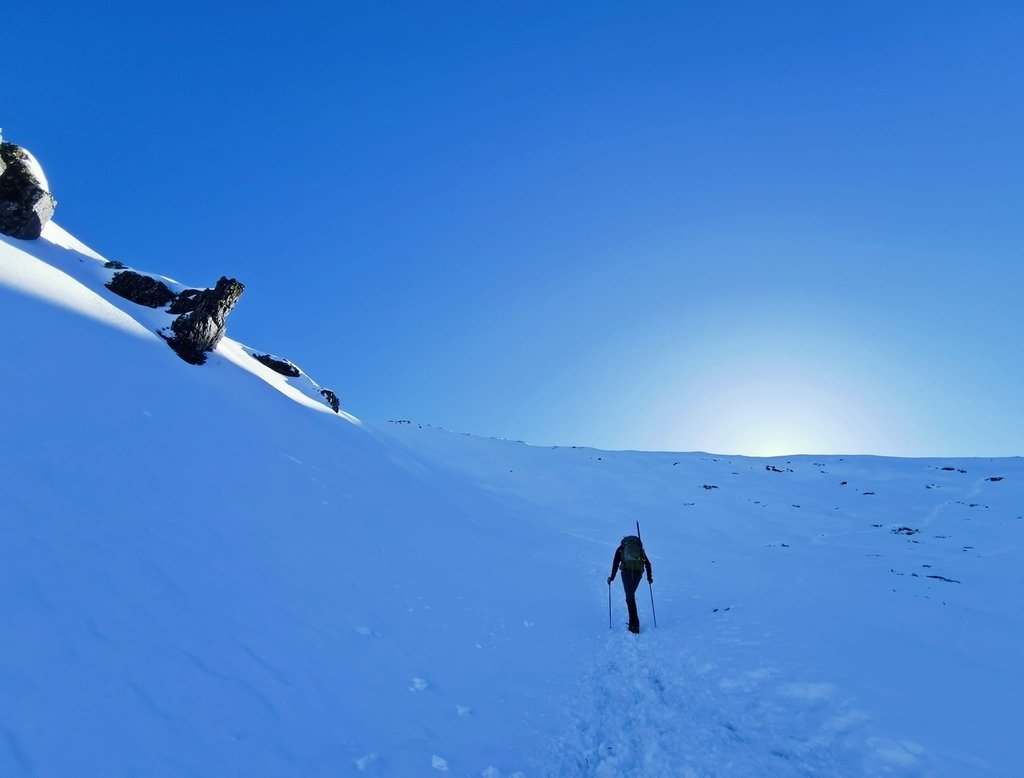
[609, 605]
[649, 586]
[655, 615]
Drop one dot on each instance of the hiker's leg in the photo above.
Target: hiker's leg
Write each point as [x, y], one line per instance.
[634, 617]
[630, 582]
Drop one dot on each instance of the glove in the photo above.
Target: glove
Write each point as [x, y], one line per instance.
[610, 579]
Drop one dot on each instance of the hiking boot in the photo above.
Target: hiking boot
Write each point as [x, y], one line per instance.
[634, 617]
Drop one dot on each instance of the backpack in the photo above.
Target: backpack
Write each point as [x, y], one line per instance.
[633, 556]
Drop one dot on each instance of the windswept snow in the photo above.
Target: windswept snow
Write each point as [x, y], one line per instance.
[799, 633]
[54, 282]
[202, 577]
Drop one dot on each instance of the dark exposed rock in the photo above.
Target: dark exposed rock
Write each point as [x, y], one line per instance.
[186, 301]
[994, 478]
[905, 531]
[195, 333]
[332, 399]
[25, 204]
[113, 264]
[140, 289]
[943, 578]
[282, 366]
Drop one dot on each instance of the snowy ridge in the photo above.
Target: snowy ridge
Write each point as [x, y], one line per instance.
[203, 579]
[301, 384]
[64, 253]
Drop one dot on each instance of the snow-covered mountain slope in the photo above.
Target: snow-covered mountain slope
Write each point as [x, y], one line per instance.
[204, 577]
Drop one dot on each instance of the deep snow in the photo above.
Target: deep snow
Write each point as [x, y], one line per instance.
[207, 572]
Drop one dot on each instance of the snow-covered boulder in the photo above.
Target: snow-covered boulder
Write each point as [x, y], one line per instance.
[26, 204]
[198, 331]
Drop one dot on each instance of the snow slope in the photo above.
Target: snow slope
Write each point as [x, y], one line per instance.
[207, 572]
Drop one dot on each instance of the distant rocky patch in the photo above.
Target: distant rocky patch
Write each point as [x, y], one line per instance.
[905, 531]
[26, 205]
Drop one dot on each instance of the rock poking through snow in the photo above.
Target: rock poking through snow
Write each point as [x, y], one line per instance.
[332, 399]
[140, 289]
[26, 204]
[197, 332]
[282, 366]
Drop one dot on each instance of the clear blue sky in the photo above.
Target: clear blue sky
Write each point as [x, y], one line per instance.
[736, 227]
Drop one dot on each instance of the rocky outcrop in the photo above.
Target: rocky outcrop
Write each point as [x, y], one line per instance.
[282, 366]
[26, 205]
[140, 289]
[198, 331]
[332, 399]
[186, 301]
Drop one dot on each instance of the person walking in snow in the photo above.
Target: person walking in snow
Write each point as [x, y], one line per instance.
[631, 559]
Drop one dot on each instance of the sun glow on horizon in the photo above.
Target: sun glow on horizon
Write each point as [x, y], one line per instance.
[772, 407]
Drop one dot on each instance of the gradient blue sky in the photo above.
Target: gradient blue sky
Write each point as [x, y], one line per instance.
[732, 227]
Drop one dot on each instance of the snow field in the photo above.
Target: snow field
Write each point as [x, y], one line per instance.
[205, 578]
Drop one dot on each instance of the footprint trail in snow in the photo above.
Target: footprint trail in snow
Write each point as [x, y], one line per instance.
[651, 707]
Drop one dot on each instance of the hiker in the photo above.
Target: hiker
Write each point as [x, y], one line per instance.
[631, 559]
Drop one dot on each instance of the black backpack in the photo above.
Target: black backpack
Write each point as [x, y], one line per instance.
[633, 556]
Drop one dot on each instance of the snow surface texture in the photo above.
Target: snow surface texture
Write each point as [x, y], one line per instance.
[201, 578]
